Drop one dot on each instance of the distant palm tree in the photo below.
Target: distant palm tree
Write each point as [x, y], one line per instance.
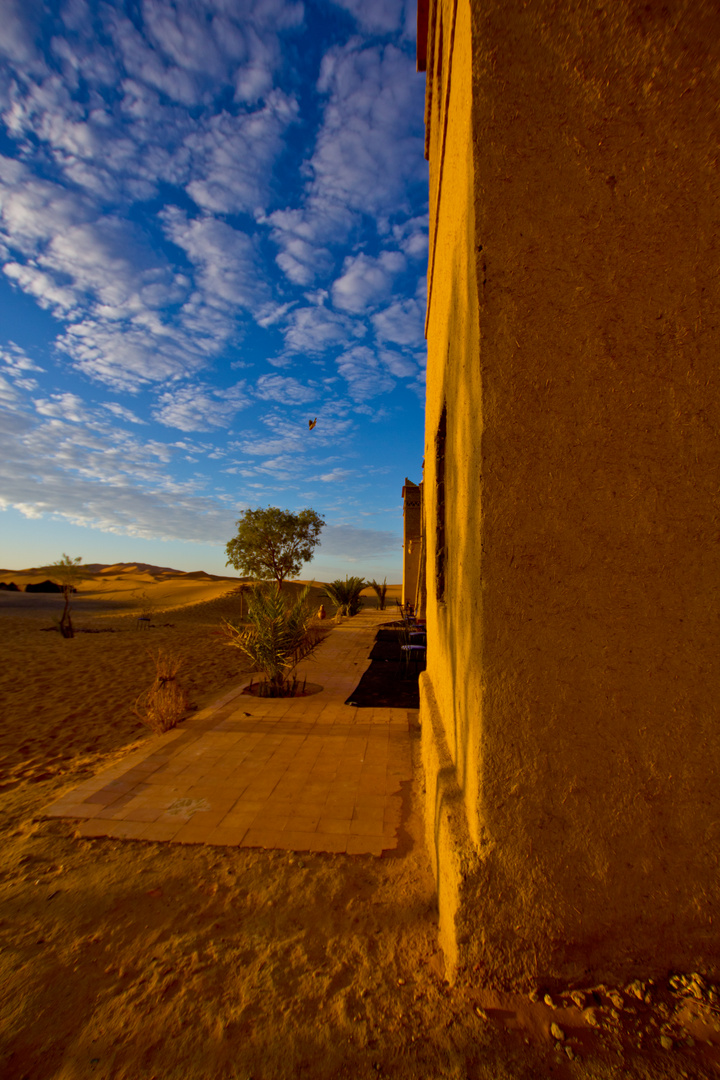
[346, 594]
[381, 591]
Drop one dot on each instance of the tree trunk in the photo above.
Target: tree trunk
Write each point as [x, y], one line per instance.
[66, 626]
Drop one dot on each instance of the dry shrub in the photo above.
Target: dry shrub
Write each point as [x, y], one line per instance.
[164, 704]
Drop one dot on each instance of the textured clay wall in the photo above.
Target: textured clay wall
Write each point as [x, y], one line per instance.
[451, 697]
[572, 741]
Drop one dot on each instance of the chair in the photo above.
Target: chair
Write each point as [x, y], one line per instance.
[415, 654]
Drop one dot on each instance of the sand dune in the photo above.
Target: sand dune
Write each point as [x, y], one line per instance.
[130, 586]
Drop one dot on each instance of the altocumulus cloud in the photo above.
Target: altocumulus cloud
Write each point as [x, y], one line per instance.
[363, 543]
[178, 200]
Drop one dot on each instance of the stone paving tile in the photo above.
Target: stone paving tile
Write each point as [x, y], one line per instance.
[308, 774]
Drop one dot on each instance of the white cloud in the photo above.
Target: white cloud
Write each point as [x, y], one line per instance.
[313, 330]
[377, 16]
[189, 44]
[42, 286]
[63, 406]
[127, 356]
[366, 155]
[18, 365]
[366, 152]
[365, 281]
[365, 377]
[199, 407]
[303, 234]
[122, 412]
[33, 210]
[101, 476]
[232, 156]
[412, 236]
[283, 388]
[16, 42]
[402, 323]
[224, 258]
[332, 477]
[9, 396]
[398, 364]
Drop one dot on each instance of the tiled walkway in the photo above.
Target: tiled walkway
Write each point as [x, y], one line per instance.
[298, 774]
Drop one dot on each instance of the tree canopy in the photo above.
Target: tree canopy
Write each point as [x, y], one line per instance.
[274, 543]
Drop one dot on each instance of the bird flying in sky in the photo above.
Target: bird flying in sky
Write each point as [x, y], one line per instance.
[312, 423]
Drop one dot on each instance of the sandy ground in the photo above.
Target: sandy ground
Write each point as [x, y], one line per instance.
[124, 959]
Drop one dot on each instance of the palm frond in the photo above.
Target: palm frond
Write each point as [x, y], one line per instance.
[346, 594]
[281, 634]
[380, 590]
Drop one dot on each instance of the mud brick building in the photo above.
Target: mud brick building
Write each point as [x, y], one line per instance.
[571, 704]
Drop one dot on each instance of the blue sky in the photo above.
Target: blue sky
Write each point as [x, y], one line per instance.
[213, 228]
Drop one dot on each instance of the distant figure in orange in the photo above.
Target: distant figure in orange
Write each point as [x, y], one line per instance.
[321, 612]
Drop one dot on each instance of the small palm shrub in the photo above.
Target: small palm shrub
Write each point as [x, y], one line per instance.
[381, 592]
[163, 705]
[346, 594]
[281, 632]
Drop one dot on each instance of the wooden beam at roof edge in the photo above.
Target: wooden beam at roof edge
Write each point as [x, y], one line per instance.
[422, 34]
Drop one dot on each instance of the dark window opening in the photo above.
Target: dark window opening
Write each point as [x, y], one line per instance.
[440, 552]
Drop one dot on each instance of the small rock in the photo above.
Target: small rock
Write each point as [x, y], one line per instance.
[301, 864]
[578, 998]
[481, 1013]
[666, 1042]
[636, 989]
[591, 1018]
[616, 998]
[533, 995]
[569, 1052]
[557, 1032]
[401, 982]
[549, 1002]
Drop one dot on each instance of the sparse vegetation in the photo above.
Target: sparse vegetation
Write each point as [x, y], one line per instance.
[282, 632]
[145, 602]
[164, 704]
[346, 594]
[381, 591]
[68, 573]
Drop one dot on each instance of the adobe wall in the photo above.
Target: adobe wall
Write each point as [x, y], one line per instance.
[571, 735]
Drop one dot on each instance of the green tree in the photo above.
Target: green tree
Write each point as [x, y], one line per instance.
[274, 543]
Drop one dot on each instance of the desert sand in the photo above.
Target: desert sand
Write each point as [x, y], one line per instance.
[139, 960]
